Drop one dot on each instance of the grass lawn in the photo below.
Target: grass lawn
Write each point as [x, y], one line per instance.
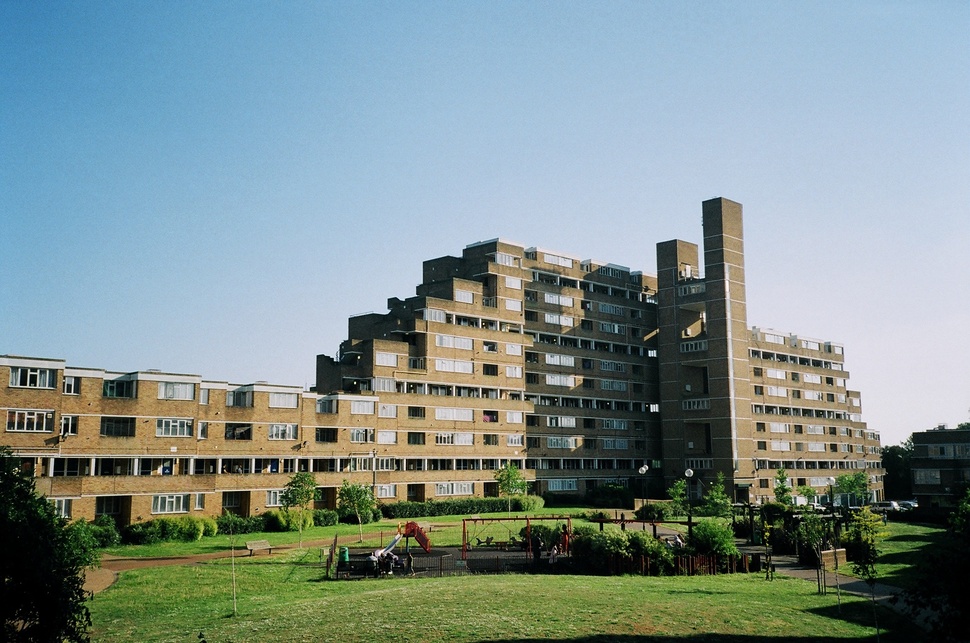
[900, 547]
[284, 599]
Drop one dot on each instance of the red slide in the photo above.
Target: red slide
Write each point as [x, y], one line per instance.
[413, 530]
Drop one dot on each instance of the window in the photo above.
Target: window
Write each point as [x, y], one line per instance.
[560, 380]
[239, 398]
[387, 410]
[453, 366]
[173, 428]
[415, 437]
[490, 439]
[416, 412]
[361, 435]
[454, 488]
[432, 314]
[615, 367]
[513, 371]
[203, 396]
[282, 431]
[615, 443]
[69, 425]
[385, 359]
[387, 491]
[170, 504]
[72, 385]
[455, 414]
[464, 296]
[513, 282]
[560, 360]
[118, 427]
[775, 373]
[387, 437]
[176, 391]
[30, 421]
[236, 431]
[490, 369]
[283, 400]
[513, 417]
[558, 442]
[558, 300]
[514, 440]
[63, 507]
[452, 341]
[119, 388]
[32, 377]
[384, 384]
[613, 385]
[616, 424]
[561, 320]
[563, 484]
[362, 407]
[274, 497]
[513, 349]
[326, 434]
[200, 501]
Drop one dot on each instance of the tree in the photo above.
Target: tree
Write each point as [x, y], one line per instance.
[42, 595]
[865, 534]
[510, 482]
[716, 501]
[854, 484]
[896, 461]
[678, 497]
[940, 594]
[808, 491]
[299, 492]
[358, 500]
[782, 488]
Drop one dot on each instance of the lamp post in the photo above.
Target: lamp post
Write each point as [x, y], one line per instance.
[689, 474]
[643, 483]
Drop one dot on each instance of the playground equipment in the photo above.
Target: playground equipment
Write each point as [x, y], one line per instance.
[512, 543]
[411, 530]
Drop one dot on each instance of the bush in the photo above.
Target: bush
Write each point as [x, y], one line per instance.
[209, 526]
[527, 503]
[653, 511]
[559, 499]
[641, 543]
[714, 537]
[230, 523]
[105, 531]
[325, 517]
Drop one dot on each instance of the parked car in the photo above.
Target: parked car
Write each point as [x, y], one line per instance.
[908, 505]
[884, 506]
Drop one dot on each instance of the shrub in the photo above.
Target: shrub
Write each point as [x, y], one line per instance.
[527, 503]
[653, 511]
[105, 531]
[230, 523]
[714, 537]
[325, 517]
[641, 543]
[209, 526]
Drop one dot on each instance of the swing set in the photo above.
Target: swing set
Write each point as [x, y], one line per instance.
[478, 526]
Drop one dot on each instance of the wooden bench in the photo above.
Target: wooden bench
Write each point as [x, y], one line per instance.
[254, 545]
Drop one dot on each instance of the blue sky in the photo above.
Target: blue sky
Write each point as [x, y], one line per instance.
[214, 187]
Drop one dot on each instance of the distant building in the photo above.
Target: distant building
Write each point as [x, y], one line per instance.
[940, 466]
[580, 372]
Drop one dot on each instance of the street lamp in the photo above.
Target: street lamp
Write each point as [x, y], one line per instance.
[643, 483]
[689, 473]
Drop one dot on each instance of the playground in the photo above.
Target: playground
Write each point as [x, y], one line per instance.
[488, 545]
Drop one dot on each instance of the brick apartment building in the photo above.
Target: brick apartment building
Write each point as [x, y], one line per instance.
[580, 372]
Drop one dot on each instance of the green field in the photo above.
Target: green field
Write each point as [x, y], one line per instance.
[284, 598]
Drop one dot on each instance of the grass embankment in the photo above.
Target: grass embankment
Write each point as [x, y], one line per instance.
[283, 598]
